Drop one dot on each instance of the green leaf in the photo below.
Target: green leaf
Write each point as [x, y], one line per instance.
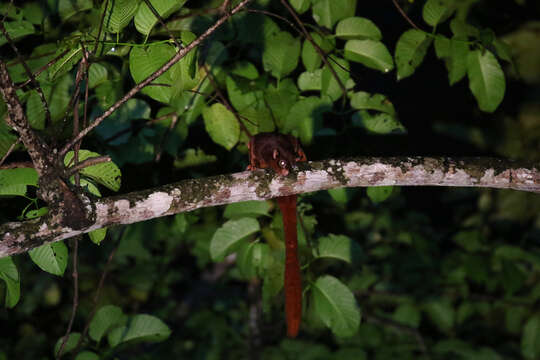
[193, 157]
[378, 194]
[407, 314]
[280, 99]
[281, 53]
[143, 62]
[454, 346]
[411, 49]
[65, 63]
[33, 12]
[358, 28]
[329, 84]
[339, 195]
[252, 259]
[336, 306]
[16, 30]
[470, 240]
[381, 123]
[310, 81]
[245, 69]
[229, 234]
[305, 117]
[97, 74]
[98, 235]
[10, 274]
[486, 79]
[338, 247]
[35, 111]
[69, 8]
[328, 12]
[32, 214]
[257, 120]
[365, 101]
[441, 313]
[145, 18]
[15, 181]
[71, 343]
[107, 174]
[370, 53]
[121, 121]
[243, 94]
[436, 12]
[51, 258]
[247, 208]
[463, 30]
[300, 6]
[87, 355]
[442, 46]
[184, 74]
[221, 125]
[273, 279]
[119, 13]
[310, 57]
[530, 340]
[60, 96]
[457, 61]
[143, 328]
[7, 137]
[106, 318]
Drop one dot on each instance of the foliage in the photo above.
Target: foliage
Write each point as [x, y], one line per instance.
[387, 272]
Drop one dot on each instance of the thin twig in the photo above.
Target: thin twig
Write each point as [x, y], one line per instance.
[161, 146]
[43, 68]
[10, 150]
[96, 296]
[160, 19]
[88, 162]
[177, 57]
[282, 18]
[101, 21]
[405, 15]
[75, 275]
[18, 165]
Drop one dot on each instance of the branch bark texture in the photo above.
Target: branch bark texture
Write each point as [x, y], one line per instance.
[188, 195]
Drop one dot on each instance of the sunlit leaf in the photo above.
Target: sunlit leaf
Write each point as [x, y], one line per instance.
[106, 173]
[358, 28]
[370, 53]
[486, 79]
[145, 18]
[328, 12]
[281, 54]
[221, 125]
[411, 49]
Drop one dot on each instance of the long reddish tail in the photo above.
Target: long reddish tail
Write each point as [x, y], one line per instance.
[293, 284]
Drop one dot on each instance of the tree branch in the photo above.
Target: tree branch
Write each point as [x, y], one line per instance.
[188, 195]
[37, 149]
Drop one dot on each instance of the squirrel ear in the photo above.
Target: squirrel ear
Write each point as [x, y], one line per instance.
[275, 154]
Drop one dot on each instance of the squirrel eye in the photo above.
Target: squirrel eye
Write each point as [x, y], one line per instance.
[282, 163]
